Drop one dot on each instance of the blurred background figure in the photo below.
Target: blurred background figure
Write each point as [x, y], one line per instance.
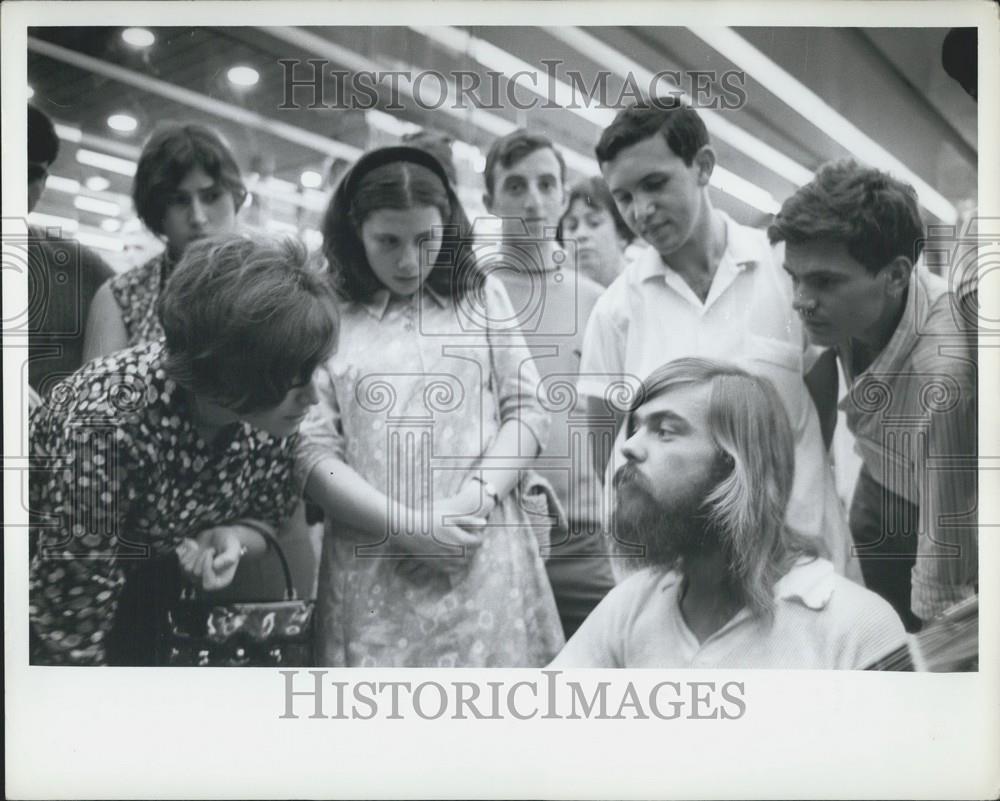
[438, 144]
[63, 275]
[592, 220]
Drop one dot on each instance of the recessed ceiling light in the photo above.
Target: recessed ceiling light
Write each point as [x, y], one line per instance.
[111, 225]
[125, 123]
[311, 179]
[138, 37]
[243, 76]
[97, 183]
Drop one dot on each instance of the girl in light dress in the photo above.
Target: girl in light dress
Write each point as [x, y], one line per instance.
[420, 448]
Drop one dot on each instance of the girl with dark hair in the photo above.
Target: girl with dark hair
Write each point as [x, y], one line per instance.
[187, 186]
[431, 423]
[183, 443]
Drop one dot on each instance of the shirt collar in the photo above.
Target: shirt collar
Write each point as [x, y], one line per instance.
[379, 302]
[903, 339]
[743, 251]
[811, 582]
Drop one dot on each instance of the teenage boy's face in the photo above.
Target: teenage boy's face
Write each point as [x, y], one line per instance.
[659, 195]
[529, 196]
[835, 295]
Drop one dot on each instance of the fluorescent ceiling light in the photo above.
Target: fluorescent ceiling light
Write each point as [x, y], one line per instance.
[494, 58]
[60, 184]
[104, 162]
[719, 126]
[124, 123]
[111, 225]
[64, 224]
[813, 108]
[105, 207]
[311, 179]
[97, 183]
[178, 94]
[744, 190]
[498, 60]
[243, 76]
[68, 132]
[388, 123]
[138, 37]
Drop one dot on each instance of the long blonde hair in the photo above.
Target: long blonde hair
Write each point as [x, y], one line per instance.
[750, 428]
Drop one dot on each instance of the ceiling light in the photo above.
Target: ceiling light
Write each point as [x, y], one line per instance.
[124, 123]
[813, 108]
[60, 184]
[243, 76]
[311, 179]
[68, 132]
[97, 183]
[138, 37]
[111, 225]
[31, 92]
[105, 207]
[102, 161]
[64, 224]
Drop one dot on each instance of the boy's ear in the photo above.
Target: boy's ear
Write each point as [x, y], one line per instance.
[897, 275]
[704, 160]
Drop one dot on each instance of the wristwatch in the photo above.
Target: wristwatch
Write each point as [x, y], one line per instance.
[489, 489]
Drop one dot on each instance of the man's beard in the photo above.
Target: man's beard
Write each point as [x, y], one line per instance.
[664, 533]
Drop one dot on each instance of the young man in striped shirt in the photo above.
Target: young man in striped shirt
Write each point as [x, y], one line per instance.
[853, 239]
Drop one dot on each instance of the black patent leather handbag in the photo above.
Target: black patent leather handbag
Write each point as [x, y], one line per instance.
[196, 632]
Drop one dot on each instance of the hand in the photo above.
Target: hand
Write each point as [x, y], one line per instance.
[210, 561]
[454, 525]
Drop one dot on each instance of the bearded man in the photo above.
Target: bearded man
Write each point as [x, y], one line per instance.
[709, 463]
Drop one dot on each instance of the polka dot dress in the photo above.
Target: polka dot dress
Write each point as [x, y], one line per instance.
[120, 475]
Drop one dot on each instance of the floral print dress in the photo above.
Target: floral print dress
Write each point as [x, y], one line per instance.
[414, 396]
[120, 475]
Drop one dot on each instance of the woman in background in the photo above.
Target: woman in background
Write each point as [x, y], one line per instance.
[601, 235]
[187, 187]
[431, 420]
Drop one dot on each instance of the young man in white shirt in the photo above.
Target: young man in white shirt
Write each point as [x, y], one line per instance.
[724, 582]
[705, 287]
[525, 186]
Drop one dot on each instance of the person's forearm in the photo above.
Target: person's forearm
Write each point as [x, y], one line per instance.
[514, 450]
[350, 500]
[247, 531]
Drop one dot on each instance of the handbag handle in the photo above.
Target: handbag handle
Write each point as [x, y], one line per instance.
[273, 544]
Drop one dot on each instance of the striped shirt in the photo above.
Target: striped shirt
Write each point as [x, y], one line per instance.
[913, 416]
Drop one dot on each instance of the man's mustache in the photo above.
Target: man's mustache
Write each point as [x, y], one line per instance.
[628, 476]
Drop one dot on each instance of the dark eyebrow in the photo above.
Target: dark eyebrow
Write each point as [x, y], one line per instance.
[819, 273]
[656, 418]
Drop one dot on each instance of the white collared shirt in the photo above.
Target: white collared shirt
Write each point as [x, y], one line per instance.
[821, 621]
[650, 316]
